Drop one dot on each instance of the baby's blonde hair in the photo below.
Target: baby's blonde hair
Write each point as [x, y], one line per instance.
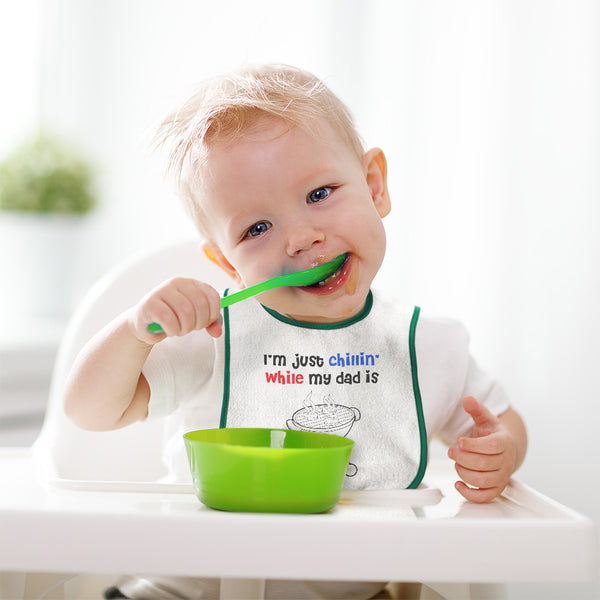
[225, 106]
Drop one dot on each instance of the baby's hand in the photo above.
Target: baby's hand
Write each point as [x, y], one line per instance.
[179, 305]
[485, 460]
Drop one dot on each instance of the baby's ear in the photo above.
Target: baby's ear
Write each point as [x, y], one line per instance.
[214, 254]
[375, 166]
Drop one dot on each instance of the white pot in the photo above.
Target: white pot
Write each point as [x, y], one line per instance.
[38, 254]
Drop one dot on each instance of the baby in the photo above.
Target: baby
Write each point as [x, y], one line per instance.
[277, 180]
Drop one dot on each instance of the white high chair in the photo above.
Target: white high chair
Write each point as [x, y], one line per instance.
[130, 460]
[132, 454]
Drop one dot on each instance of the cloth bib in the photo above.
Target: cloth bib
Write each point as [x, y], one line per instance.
[357, 378]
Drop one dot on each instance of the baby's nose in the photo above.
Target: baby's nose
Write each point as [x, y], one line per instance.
[302, 235]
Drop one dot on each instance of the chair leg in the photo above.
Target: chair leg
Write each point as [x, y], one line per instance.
[12, 585]
[51, 586]
[404, 590]
[488, 591]
[88, 585]
[46, 586]
[446, 591]
[249, 589]
[463, 591]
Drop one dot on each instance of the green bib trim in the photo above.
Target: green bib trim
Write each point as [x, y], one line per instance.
[227, 361]
[419, 404]
[366, 309]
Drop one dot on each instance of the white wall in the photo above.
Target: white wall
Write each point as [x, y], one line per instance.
[488, 114]
[20, 46]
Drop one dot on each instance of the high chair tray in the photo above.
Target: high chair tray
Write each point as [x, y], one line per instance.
[96, 485]
[423, 496]
[378, 535]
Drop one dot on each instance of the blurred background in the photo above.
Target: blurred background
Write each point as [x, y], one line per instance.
[488, 114]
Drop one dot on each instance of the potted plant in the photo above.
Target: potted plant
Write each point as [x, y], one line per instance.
[46, 189]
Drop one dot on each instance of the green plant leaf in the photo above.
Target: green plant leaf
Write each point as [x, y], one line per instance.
[46, 174]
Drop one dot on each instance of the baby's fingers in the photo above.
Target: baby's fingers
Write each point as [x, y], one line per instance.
[494, 443]
[478, 496]
[179, 306]
[174, 312]
[481, 479]
[484, 476]
[475, 461]
[193, 304]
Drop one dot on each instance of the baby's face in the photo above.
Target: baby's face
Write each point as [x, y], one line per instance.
[281, 200]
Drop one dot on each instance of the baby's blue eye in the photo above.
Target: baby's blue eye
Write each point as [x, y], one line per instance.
[258, 229]
[319, 194]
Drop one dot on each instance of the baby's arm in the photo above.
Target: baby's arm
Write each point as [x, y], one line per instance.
[491, 454]
[106, 388]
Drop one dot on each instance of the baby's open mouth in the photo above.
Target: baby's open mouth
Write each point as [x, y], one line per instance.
[331, 278]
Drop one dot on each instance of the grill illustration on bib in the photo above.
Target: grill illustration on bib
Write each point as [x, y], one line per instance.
[325, 417]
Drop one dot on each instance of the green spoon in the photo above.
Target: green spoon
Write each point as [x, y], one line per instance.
[298, 279]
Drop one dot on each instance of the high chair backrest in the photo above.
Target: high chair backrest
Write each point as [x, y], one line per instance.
[134, 453]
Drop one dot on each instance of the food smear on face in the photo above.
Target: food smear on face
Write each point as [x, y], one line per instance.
[350, 286]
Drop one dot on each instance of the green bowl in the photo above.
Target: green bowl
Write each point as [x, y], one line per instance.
[267, 470]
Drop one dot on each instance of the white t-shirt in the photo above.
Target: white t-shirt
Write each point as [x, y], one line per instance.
[186, 376]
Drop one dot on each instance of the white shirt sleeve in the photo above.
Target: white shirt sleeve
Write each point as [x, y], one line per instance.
[448, 373]
[176, 368]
